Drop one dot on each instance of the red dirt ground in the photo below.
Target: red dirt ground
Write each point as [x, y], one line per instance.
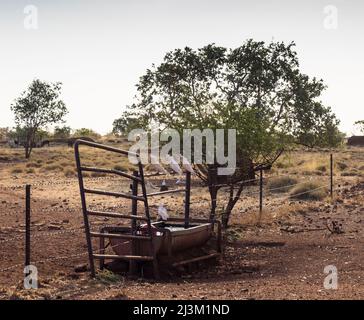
[282, 258]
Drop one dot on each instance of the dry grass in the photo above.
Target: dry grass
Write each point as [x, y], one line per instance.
[281, 184]
[69, 173]
[44, 161]
[341, 165]
[351, 173]
[16, 170]
[309, 191]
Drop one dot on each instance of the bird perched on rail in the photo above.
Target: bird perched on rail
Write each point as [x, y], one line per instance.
[173, 164]
[186, 164]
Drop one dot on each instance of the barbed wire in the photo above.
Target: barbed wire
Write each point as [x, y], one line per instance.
[111, 178]
[84, 253]
[44, 233]
[281, 199]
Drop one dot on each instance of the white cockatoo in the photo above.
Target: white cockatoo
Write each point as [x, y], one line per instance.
[173, 164]
[156, 164]
[187, 165]
[162, 212]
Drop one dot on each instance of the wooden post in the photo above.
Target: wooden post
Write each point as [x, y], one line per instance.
[187, 199]
[134, 204]
[134, 212]
[261, 193]
[331, 176]
[27, 225]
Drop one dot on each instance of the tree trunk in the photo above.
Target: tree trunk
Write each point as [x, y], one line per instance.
[29, 144]
[233, 199]
[213, 195]
[213, 189]
[28, 151]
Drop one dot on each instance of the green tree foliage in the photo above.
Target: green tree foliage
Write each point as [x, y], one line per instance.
[62, 132]
[4, 134]
[123, 125]
[19, 134]
[257, 89]
[40, 105]
[84, 132]
[360, 125]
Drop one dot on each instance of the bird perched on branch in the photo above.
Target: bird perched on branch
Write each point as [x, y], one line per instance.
[173, 164]
[186, 164]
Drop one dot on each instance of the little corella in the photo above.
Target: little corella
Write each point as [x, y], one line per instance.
[173, 164]
[162, 212]
[187, 165]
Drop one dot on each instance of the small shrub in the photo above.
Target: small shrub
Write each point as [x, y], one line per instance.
[281, 165]
[119, 168]
[312, 173]
[308, 191]
[281, 184]
[33, 165]
[321, 168]
[341, 165]
[53, 167]
[97, 174]
[69, 173]
[361, 168]
[30, 170]
[16, 170]
[350, 173]
[108, 277]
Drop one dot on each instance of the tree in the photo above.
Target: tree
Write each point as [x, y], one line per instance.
[4, 134]
[62, 132]
[126, 123]
[84, 132]
[360, 125]
[257, 89]
[40, 105]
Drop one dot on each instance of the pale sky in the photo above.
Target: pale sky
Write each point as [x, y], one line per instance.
[99, 49]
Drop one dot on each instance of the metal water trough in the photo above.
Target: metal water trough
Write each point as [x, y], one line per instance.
[151, 240]
[170, 238]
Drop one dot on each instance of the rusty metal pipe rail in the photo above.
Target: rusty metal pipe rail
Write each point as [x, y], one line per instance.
[165, 192]
[128, 257]
[115, 215]
[113, 194]
[104, 147]
[137, 178]
[111, 171]
[118, 236]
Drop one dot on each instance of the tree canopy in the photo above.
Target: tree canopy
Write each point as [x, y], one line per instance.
[257, 89]
[40, 105]
[360, 125]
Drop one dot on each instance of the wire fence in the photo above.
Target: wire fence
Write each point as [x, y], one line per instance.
[262, 189]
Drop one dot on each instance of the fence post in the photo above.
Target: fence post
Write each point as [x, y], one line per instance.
[331, 176]
[27, 225]
[261, 193]
[134, 212]
[134, 203]
[187, 199]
